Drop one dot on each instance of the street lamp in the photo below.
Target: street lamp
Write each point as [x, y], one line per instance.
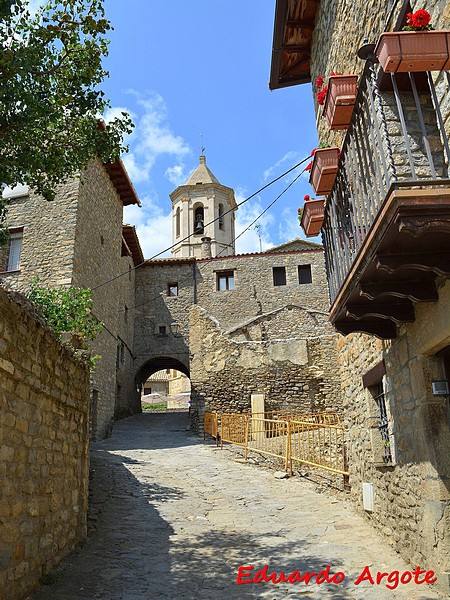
[175, 328]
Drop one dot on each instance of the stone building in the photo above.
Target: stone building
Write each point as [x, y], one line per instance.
[225, 321]
[386, 231]
[78, 239]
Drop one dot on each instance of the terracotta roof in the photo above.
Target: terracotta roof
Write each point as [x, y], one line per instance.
[292, 37]
[119, 176]
[132, 242]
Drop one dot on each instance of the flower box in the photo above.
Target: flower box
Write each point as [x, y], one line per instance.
[312, 217]
[324, 170]
[414, 51]
[340, 101]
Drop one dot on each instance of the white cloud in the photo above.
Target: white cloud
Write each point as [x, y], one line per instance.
[177, 175]
[291, 158]
[153, 226]
[151, 137]
[254, 238]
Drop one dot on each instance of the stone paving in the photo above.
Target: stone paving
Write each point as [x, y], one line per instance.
[174, 517]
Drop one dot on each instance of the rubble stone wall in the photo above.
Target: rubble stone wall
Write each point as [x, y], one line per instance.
[44, 435]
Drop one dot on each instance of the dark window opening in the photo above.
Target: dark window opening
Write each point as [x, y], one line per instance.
[225, 281]
[304, 274]
[162, 330]
[279, 276]
[177, 223]
[221, 222]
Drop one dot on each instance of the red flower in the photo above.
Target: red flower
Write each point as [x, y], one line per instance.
[306, 198]
[322, 95]
[319, 81]
[313, 151]
[309, 166]
[418, 20]
[421, 18]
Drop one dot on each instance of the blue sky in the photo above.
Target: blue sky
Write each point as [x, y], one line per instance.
[186, 68]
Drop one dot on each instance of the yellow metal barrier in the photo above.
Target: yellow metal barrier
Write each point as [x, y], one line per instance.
[211, 425]
[317, 439]
[318, 445]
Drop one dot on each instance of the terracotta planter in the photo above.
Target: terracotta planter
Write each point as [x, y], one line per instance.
[414, 51]
[340, 101]
[312, 217]
[324, 170]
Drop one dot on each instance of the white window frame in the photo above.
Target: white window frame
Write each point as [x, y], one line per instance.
[15, 250]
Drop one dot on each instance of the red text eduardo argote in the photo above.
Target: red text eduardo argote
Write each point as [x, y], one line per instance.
[391, 579]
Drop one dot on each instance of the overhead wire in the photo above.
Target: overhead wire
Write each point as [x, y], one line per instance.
[206, 225]
[149, 300]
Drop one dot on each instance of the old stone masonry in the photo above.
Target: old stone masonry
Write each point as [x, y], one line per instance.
[174, 517]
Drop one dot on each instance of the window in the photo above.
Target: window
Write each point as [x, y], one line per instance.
[225, 280]
[177, 222]
[120, 356]
[221, 222]
[304, 274]
[15, 250]
[378, 418]
[279, 276]
[172, 289]
[161, 330]
[378, 393]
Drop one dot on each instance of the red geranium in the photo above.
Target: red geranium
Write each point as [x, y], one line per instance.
[306, 198]
[319, 81]
[322, 95]
[309, 166]
[418, 21]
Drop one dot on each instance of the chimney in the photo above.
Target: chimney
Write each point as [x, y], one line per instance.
[206, 247]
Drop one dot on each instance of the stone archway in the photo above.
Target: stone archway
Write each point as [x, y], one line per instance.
[169, 386]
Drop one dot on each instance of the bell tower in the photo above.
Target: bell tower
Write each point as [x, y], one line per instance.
[203, 208]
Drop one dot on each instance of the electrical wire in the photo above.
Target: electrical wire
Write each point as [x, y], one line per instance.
[206, 225]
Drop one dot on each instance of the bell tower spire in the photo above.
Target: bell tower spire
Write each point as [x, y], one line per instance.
[203, 208]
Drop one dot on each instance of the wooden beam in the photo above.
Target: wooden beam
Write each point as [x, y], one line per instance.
[417, 291]
[381, 328]
[436, 262]
[397, 312]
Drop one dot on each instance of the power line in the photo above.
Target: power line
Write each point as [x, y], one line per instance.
[210, 223]
[149, 300]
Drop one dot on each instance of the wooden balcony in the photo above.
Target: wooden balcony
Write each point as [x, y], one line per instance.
[386, 231]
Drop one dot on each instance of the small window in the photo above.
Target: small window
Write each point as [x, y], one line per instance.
[15, 250]
[221, 222]
[225, 281]
[304, 274]
[177, 222]
[172, 289]
[279, 276]
[162, 330]
[378, 394]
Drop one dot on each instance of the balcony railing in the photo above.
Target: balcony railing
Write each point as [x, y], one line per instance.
[396, 141]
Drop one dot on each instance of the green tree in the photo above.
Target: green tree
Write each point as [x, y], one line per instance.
[66, 310]
[50, 101]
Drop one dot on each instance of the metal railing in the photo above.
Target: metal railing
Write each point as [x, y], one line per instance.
[316, 439]
[211, 425]
[396, 138]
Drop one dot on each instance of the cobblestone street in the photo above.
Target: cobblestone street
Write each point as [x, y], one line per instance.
[173, 517]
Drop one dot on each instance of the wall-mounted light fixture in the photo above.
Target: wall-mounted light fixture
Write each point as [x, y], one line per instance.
[175, 328]
[440, 388]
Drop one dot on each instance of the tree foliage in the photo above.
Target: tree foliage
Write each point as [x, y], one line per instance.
[50, 101]
[66, 310]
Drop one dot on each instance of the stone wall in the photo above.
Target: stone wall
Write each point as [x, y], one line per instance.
[295, 373]
[97, 263]
[77, 240]
[44, 434]
[255, 321]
